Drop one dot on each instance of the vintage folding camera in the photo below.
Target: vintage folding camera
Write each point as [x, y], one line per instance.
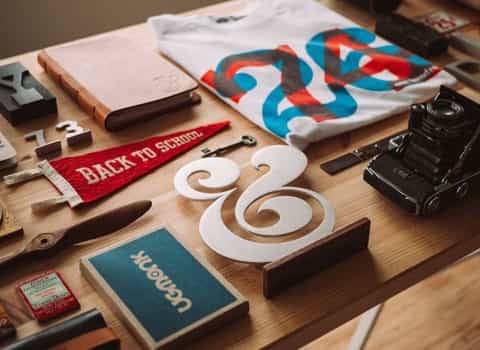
[438, 159]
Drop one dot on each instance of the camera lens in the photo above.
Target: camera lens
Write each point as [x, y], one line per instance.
[445, 110]
[439, 132]
[444, 120]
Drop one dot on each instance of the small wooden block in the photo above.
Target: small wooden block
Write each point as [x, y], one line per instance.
[84, 137]
[9, 226]
[281, 274]
[49, 148]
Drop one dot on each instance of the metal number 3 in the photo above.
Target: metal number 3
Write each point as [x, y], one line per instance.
[75, 133]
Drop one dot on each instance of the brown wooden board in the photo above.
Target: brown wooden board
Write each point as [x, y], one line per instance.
[343, 243]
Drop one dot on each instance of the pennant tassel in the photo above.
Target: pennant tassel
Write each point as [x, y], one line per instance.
[70, 196]
[22, 176]
[48, 203]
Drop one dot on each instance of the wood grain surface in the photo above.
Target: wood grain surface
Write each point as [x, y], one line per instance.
[403, 249]
[438, 313]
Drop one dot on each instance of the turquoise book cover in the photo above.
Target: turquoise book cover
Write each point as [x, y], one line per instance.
[161, 289]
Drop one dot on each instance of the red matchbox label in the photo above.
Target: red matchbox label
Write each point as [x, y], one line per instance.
[47, 296]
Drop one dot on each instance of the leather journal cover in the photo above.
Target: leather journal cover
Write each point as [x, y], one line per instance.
[117, 80]
[165, 294]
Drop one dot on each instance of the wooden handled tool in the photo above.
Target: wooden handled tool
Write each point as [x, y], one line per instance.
[48, 244]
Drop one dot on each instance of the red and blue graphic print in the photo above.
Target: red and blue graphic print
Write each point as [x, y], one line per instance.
[325, 50]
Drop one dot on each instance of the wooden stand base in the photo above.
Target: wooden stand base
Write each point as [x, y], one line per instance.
[281, 274]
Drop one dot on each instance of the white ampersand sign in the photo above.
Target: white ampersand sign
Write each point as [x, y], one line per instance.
[285, 165]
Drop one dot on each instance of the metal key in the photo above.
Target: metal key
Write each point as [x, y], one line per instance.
[246, 140]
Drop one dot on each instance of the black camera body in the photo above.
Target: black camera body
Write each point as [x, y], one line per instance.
[437, 161]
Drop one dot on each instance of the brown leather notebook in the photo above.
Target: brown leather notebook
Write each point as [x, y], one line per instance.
[117, 80]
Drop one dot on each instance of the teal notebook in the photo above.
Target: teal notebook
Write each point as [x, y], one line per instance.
[164, 293]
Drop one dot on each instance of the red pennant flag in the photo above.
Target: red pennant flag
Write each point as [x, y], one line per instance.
[88, 177]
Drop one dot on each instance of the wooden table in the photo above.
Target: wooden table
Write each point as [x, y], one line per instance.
[403, 249]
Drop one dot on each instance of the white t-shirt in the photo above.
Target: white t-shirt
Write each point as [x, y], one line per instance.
[298, 69]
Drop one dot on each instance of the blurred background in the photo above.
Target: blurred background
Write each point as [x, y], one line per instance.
[27, 25]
